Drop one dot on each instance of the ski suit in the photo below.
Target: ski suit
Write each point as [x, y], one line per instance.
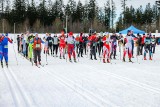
[62, 45]
[106, 48]
[147, 47]
[128, 46]
[71, 47]
[4, 48]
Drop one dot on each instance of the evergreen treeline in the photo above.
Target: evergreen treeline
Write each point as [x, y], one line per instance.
[50, 16]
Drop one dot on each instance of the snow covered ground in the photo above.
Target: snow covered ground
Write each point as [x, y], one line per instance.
[83, 84]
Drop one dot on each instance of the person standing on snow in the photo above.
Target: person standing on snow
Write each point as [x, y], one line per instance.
[114, 39]
[71, 46]
[106, 48]
[25, 44]
[142, 43]
[100, 43]
[147, 47]
[30, 47]
[55, 45]
[138, 44]
[153, 44]
[18, 43]
[46, 44]
[81, 41]
[85, 44]
[128, 45]
[132, 43]
[77, 43]
[4, 48]
[120, 41]
[62, 45]
[93, 40]
[50, 43]
[37, 47]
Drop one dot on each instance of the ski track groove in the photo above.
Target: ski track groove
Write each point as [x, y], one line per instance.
[127, 80]
[95, 99]
[20, 98]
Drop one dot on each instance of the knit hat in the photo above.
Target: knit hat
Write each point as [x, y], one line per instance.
[70, 33]
[6, 34]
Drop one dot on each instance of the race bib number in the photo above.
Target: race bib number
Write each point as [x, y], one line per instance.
[6, 46]
[50, 41]
[37, 45]
[115, 43]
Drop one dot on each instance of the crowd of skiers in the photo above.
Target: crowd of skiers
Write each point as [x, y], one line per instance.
[103, 44]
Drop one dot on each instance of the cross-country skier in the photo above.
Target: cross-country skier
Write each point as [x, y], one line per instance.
[85, 38]
[4, 48]
[55, 45]
[153, 44]
[100, 44]
[138, 44]
[128, 46]
[71, 46]
[132, 34]
[142, 44]
[120, 41]
[37, 47]
[49, 40]
[77, 43]
[81, 41]
[106, 48]
[113, 45]
[25, 44]
[30, 47]
[18, 43]
[62, 45]
[46, 44]
[147, 47]
[93, 41]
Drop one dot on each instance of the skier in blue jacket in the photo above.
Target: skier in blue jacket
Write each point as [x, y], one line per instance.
[4, 48]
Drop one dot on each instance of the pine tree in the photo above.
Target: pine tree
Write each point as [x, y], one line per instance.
[19, 10]
[32, 13]
[107, 11]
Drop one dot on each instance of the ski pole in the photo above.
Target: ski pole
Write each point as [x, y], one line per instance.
[120, 52]
[15, 54]
[46, 59]
[46, 50]
[137, 58]
[65, 52]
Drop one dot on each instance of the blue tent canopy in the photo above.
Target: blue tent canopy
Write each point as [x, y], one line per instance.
[135, 30]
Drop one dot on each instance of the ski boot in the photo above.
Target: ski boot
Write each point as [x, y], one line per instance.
[36, 64]
[145, 58]
[130, 60]
[91, 58]
[63, 57]
[70, 60]
[39, 63]
[124, 59]
[104, 61]
[75, 60]
[150, 58]
[2, 64]
[108, 61]
[7, 64]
